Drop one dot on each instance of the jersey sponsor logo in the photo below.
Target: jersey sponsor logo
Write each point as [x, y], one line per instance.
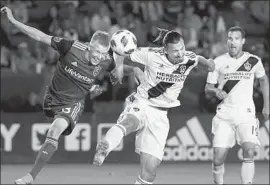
[162, 86]
[241, 73]
[170, 78]
[190, 143]
[78, 75]
[238, 76]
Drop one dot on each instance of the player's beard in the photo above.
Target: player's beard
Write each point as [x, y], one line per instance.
[175, 60]
[178, 60]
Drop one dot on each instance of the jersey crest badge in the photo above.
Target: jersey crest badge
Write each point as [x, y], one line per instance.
[247, 66]
[96, 70]
[182, 69]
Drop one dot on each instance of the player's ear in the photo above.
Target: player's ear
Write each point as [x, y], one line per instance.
[243, 41]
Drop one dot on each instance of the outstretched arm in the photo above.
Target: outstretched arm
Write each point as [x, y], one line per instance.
[207, 62]
[28, 30]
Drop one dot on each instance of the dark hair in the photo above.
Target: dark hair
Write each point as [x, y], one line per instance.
[172, 37]
[238, 28]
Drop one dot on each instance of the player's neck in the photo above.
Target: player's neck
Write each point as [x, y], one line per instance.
[240, 54]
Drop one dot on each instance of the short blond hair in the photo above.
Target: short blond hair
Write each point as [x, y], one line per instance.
[100, 37]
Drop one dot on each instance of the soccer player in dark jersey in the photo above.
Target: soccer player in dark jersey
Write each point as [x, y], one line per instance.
[79, 65]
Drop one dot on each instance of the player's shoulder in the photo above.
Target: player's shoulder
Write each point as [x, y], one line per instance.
[252, 56]
[156, 50]
[190, 54]
[79, 45]
[222, 58]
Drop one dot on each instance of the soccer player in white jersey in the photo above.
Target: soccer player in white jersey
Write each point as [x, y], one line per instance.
[235, 119]
[165, 69]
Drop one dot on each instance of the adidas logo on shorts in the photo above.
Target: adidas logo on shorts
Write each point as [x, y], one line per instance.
[190, 143]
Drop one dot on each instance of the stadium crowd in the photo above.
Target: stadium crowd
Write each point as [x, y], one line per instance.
[202, 23]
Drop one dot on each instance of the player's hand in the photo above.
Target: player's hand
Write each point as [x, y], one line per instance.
[211, 65]
[220, 94]
[8, 12]
[139, 76]
[265, 112]
[159, 39]
[113, 79]
[95, 91]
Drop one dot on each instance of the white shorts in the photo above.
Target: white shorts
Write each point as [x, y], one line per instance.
[231, 125]
[153, 130]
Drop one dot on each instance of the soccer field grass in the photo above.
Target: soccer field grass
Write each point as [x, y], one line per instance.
[127, 173]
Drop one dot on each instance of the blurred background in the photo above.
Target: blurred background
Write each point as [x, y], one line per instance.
[27, 66]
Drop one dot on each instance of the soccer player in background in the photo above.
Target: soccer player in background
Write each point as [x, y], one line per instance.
[145, 113]
[79, 65]
[235, 119]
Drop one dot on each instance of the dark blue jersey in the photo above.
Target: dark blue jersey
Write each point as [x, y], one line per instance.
[75, 75]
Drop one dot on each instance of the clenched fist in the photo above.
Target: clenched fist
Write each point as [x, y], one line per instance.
[220, 94]
[8, 12]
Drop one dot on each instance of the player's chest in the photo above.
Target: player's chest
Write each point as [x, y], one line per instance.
[237, 71]
[83, 72]
[167, 72]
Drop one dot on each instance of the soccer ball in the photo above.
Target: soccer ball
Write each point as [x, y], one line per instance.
[123, 42]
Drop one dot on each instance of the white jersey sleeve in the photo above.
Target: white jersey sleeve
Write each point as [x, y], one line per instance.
[259, 71]
[140, 55]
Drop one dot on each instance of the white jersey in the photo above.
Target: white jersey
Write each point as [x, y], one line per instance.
[164, 79]
[236, 77]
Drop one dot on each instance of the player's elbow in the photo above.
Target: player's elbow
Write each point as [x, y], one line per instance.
[264, 81]
[44, 38]
[211, 65]
[207, 88]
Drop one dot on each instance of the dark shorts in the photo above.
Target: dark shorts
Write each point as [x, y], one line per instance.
[70, 111]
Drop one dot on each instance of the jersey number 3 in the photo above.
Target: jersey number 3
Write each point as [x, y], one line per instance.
[66, 110]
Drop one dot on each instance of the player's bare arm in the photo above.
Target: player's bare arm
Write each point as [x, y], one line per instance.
[211, 89]
[209, 63]
[138, 73]
[127, 70]
[28, 30]
[264, 85]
